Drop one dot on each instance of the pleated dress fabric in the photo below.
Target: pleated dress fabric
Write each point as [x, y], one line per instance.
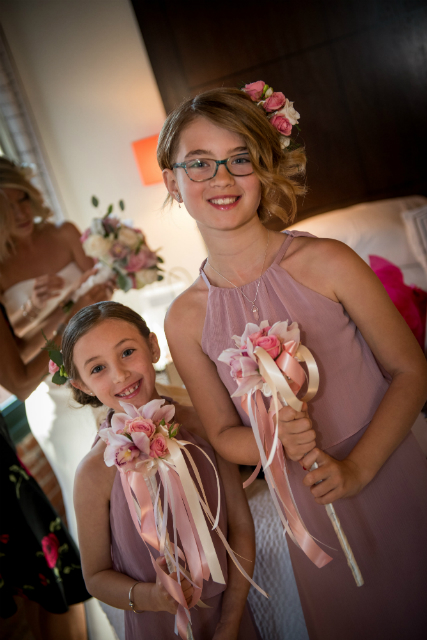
[386, 523]
[130, 556]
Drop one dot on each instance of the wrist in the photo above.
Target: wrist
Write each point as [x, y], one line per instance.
[363, 472]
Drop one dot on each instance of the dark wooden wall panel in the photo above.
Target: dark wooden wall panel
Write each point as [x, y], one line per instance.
[356, 70]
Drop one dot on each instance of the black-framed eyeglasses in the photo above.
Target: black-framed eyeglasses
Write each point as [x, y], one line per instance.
[201, 169]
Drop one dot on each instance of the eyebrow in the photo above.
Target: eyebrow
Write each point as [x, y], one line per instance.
[200, 152]
[96, 357]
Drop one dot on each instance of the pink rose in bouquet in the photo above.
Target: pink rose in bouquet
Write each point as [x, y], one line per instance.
[271, 344]
[142, 260]
[282, 125]
[142, 425]
[158, 446]
[254, 90]
[119, 251]
[53, 368]
[274, 102]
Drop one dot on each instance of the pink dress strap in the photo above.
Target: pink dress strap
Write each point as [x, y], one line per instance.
[203, 274]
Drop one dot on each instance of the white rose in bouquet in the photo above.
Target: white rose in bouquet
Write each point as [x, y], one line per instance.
[96, 227]
[129, 237]
[144, 277]
[97, 246]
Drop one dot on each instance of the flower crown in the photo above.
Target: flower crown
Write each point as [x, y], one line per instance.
[280, 111]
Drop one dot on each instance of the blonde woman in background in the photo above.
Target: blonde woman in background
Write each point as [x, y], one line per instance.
[41, 264]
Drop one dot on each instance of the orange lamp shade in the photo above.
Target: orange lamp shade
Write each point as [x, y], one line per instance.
[146, 159]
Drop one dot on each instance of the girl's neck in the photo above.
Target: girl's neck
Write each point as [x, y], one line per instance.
[238, 255]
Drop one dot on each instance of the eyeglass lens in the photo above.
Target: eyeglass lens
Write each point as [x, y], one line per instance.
[204, 168]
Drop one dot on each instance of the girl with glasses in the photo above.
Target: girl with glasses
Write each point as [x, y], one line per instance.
[225, 160]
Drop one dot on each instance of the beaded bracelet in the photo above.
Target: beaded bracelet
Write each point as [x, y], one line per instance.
[131, 603]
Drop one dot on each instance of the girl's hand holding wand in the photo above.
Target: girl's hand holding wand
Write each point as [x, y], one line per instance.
[333, 479]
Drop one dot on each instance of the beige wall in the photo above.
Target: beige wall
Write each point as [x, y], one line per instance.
[92, 92]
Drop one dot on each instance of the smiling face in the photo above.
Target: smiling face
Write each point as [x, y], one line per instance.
[115, 363]
[23, 213]
[225, 201]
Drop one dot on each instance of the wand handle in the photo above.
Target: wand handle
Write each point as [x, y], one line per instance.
[345, 546]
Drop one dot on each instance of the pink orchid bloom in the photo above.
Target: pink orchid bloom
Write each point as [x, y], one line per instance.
[153, 410]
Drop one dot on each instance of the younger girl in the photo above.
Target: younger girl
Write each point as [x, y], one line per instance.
[108, 352]
[223, 157]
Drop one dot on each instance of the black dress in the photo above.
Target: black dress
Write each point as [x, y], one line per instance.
[38, 558]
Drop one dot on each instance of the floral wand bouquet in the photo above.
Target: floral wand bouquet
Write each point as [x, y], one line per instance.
[142, 443]
[267, 362]
[122, 253]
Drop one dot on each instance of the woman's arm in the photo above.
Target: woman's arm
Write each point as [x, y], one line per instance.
[210, 398]
[241, 538]
[352, 283]
[92, 490]
[71, 236]
[15, 376]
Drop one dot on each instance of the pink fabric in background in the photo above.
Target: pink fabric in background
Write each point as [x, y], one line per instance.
[409, 300]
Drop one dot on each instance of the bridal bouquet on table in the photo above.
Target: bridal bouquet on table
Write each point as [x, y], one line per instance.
[143, 444]
[267, 362]
[121, 251]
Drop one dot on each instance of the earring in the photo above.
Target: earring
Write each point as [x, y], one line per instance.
[179, 199]
[90, 393]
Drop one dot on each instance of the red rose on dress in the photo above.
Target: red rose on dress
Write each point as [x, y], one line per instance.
[44, 581]
[4, 538]
[50, 546]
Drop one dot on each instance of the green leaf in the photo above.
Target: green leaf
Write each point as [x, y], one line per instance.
[27, 586]
[124, 282]
[110, 209]
[12, 478]
[95, 201]
[122, 205]
[159, 277]
[40, 554]
[58, 379]
[162, 422]
[63, 548]
[66, 569]
[55, 525]
[159, 259]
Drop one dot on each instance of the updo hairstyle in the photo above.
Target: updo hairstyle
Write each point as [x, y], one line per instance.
[13, 176]
[84, 321]
[280, 171]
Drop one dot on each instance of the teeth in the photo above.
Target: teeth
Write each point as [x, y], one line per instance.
[128, 391]
[223, 200]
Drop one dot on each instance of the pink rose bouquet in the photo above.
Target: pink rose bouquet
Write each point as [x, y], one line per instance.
[279, 110]
[122, 250]
[267, 362]
[142, 443]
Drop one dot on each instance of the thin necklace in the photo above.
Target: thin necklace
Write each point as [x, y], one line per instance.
[254, 308]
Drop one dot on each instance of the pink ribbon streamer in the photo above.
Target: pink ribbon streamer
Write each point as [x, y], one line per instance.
[278, 481]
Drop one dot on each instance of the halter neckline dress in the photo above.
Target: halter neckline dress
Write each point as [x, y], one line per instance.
[386, 523]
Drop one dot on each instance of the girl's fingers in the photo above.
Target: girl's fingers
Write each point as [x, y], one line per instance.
[315, 455]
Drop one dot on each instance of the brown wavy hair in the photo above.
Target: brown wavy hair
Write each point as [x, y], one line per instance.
[280, 171]
[84, 321]
[13, 176]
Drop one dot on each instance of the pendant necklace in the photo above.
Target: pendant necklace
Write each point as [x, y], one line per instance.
[254, 308]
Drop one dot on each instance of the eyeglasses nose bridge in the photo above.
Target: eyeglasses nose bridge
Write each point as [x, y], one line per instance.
[225, 163]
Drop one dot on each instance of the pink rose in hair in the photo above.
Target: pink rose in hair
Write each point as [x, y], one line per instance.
[53, 368]
[142, 260]
[282, 125]
[254, 90]
[143, 425]
[158, 446]
[271, 344]
[274, 102]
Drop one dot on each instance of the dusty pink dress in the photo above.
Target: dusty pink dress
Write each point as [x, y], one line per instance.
[386, 523]
[130, 556]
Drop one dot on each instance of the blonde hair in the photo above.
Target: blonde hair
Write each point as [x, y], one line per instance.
[12, 176]
[280, 171]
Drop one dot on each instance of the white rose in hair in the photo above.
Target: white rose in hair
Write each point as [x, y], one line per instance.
[145, 276]
[96, 246]
[129, 237]
[285, 142]
[289, 112]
